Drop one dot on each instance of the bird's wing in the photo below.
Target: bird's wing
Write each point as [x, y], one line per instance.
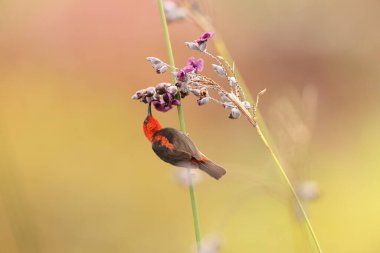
[172, 156]
[185, 144]
[170, 147]
[181, 142]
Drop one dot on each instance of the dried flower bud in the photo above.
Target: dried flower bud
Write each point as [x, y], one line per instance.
[203, 101]
[228, 105]
[247, 105]
[204, 92]
[150, 91]
[184, 93]
[203, 46]
[146, 99]
[232, 81]
[235, 113]
[200, 92]
[192, 45]
[172, 89]
[224, 97]
[196, 92]
[160, 69]
[219, 70]
[157, 64]
[161, 88]
[154, 60]
[138, 94]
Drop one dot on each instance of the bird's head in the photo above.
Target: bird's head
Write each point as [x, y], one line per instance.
[151, 125]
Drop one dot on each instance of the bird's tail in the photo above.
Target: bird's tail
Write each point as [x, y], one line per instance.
[211, 168]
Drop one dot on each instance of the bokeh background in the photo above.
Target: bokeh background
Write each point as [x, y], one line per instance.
[78, 175]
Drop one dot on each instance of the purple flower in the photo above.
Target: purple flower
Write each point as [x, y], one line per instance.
[204, 38]
[168, 98]
[138, 94]
[197, 65]
[176, 102]
[182, 74]
[161, 106]
[165, 102]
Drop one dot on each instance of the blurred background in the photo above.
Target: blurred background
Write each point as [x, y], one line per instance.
[78, 175]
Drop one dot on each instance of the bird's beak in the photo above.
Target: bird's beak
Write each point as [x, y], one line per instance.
[150, 109]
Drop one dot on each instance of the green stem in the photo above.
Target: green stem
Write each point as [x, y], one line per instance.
[182, 123]
[206, 25]
[290, 185]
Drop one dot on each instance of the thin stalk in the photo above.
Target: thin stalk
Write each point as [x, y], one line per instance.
[253, 122]
[181, 118]
[290, 185]
[204, 23]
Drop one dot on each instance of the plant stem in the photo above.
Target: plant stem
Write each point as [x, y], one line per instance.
[253, 122]
[206, 25]
[290, 185]
[181, 118]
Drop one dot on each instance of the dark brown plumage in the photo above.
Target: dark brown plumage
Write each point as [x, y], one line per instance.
[176, 148]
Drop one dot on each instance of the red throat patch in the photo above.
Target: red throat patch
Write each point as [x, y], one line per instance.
[164, 141]
[150, 126]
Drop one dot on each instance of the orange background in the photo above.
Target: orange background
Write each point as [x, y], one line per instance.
[77, 175]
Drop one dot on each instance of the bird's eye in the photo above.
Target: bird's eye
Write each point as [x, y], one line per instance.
[146, 121]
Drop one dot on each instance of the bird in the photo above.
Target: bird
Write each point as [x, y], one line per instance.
[176, 148]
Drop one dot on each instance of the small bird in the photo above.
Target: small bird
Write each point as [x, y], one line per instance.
[176, 148]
